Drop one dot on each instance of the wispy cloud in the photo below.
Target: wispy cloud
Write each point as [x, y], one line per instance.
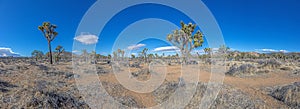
[7, 52]
[135, 47]
[135, 54]
[75, 51]
[167, 49]
[265, 50]
[87, 39]
[198, 51]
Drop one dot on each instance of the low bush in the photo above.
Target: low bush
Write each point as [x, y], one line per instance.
[288, 94]
[244, 69]
[271, 64]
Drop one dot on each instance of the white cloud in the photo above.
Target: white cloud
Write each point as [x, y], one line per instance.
[135, 47]
[135, 54]
[7, 52]
[75, 51]
[87, 39]
[167, 49]
[270, 50]
[284, 51]
[198, 51]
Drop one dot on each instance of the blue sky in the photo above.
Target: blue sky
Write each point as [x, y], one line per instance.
[247, 25]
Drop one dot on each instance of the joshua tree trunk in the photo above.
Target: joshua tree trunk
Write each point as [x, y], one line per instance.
[50, 52]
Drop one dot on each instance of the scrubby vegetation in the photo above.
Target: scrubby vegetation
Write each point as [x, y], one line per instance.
[288, 94]
[244, 69]
[30, 82]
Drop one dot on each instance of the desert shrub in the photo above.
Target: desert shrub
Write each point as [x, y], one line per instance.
[296, 72]
[288, 94]
[136, 65]
[164, 91]
[210, 61]
[228, 98]
[271, 64]
[52, 99]
[43, 67]
[193, 62]
[71, 75]
[4, 86]
[46, 94]
[286, 68]
[142, 74]
[101, 70]
[130, 102]
[244, 69]
[263, 71]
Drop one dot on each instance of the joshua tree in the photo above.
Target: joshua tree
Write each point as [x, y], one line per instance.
[144, 54]
[132, 56]
[93, 54]
[118, 54]
[98, 56]
[121, 53]
[109, 56]
[49, 32]
[150, 56]
[84, 55]
[115, 55]
[59, 49]
[223, 49]
[208, 52]
[156, 55]
[185, 40]
[37, 54]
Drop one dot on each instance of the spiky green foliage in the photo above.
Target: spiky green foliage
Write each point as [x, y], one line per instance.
[208, 50]
[185, 40]
[132, 56]
[49, 33]
[37, 54]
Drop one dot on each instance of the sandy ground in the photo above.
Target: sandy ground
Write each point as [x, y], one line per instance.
[249, 85]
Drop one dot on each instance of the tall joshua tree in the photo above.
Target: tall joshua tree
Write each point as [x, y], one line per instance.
[49, 32]
[185, 40]
[144, 53]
